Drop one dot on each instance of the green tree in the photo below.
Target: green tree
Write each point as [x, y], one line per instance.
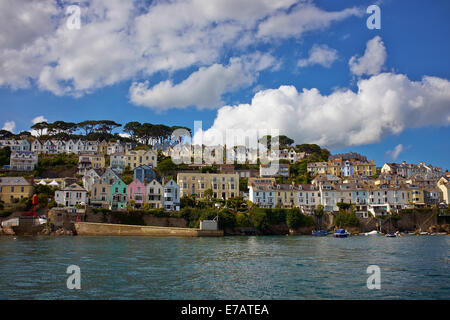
[208, 194]
[5, 154]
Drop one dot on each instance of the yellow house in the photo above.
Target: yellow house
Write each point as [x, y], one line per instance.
[316, 168]
[334, 168]
[136, 158]
[223, 185]
[103, 147]
[415, 196]
[98, 161]
[366, 168]
[14, 188]
[285, 195]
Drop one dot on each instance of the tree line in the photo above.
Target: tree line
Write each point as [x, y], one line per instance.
[144, 133]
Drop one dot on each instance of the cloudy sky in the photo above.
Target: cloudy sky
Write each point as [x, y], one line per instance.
[311, 69]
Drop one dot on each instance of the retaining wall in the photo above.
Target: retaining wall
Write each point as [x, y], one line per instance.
[107, 229]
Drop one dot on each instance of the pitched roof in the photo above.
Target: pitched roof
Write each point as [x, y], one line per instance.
[74, 187]
[14, 181]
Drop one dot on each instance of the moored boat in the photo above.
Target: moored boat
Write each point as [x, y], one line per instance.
[374, 232]
[390, 235]
[319, 233]
[341, 233]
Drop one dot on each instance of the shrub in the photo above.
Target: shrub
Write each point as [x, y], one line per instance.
[242, 220]
[295, 219]
[346, 219]
[259, 219]
[5, 213]
[227, 219]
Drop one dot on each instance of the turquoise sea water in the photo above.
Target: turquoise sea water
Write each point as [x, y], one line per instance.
[269, 267]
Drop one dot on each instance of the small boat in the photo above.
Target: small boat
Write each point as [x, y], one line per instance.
[341, 233]
[423, 233]
[374, 232]
[390, 235]
[319, 233]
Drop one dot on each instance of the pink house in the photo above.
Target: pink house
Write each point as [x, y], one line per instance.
[136, 192]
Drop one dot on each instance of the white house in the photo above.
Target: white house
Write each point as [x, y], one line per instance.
[171, 196]
[155, 194]
[49, 147]
[36, 146]
[91, 177]
[70, 146]
[23, 160]
[262, 195]
[71, 195]
[117, 161]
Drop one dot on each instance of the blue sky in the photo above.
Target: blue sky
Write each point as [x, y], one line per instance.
[413, 35]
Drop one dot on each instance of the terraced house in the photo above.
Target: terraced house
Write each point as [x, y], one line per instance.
[136, 158]
[23, 161]
[171, 199]
[223, 185]
[100, 193]
[285, 195]
[155, 194]
[14, 188]
[118, 195]
[136, 193]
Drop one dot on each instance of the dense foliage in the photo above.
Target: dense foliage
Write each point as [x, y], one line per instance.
[262, 219]
[346, 219]
[5, 153]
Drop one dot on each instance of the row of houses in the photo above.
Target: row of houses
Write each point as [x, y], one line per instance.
[368, 196]
[408, 170]
[343, 165]
[241, 154]
[27, 160]
[54, 146]
[118, 161]
[117, 195]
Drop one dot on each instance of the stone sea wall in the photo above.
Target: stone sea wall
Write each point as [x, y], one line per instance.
[106, 229]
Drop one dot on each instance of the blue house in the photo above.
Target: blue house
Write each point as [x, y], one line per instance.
[144, 173]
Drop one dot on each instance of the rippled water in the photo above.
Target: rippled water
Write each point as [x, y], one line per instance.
[270, 267]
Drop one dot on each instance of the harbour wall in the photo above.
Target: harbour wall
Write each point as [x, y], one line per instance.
[107, 229]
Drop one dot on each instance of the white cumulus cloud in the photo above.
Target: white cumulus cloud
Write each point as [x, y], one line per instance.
[302, 18]
[382, 105]
[372, 61]
[320, 54]
[123, 40]
[10, 126]
[202, 88]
